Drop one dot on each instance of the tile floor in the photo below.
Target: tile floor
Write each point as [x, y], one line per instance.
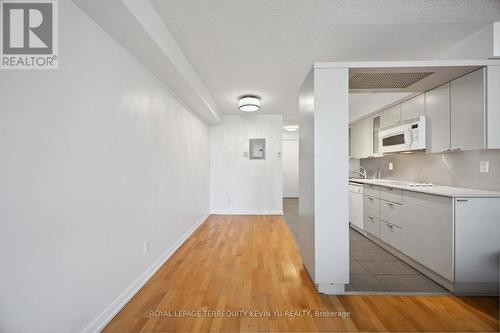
[291, 214]
[373, 269]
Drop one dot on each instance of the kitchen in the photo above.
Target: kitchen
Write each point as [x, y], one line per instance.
[424, 187]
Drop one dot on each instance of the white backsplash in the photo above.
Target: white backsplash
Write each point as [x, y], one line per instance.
[454, 169]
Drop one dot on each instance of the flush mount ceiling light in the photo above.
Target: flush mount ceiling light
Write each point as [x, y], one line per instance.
[291, 128]
[249, 104]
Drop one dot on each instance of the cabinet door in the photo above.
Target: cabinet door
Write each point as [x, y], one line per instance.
[428, 231]
[375, 134]
[365, 138]
[437, 110]
[355, 140]
[477, 238]
[372, 225]
[413, 108]
[390, 116]
[468, 111]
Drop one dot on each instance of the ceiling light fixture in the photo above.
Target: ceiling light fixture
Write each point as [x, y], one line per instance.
[291, 128]
[249, 104]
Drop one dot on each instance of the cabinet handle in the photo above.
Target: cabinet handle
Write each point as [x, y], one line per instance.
[390, 226]
[370, 217]
[462, 200]
[370, 198]
[390, 204]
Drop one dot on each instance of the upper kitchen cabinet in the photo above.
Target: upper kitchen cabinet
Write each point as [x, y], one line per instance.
[391, 116]
[437, 109]
[361, 139]
[493, 107]
[413, 108]
[365, 137]
[467, 99]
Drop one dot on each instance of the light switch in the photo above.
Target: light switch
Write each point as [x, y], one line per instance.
[484, 167]
[391, 166]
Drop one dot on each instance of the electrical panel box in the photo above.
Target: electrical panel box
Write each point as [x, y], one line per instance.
[257, 149]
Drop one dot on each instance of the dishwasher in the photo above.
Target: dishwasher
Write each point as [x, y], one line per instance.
[356, 205]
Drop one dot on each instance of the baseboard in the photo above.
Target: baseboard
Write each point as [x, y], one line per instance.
[330, 288]
[98, 324]
[244, 212]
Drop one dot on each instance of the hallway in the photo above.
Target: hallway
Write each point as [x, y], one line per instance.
[251, 263]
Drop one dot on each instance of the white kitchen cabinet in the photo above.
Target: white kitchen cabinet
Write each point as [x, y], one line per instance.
[375, 135]
[413, 108]
[371, 190]
[467, 101]
[371, 206]
[391, 234]
[391, 116]
[391, 212]
[365, 138]
[361, 138]
[371, 224]
[477, 245]
[437, 111]
[493, 106]
[428, 231]
[354, 130]
[391, 194]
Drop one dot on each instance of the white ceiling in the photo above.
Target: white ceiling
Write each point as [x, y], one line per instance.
[266, 47]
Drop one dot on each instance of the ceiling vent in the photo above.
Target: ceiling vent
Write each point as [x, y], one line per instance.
[385, 80]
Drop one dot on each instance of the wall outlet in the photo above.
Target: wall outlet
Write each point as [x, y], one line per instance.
[147, 246]
[391, 166]
[484, 167]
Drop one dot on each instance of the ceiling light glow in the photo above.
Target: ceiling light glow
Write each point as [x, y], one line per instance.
[291, 128]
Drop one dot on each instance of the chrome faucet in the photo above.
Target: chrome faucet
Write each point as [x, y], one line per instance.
[361, 172]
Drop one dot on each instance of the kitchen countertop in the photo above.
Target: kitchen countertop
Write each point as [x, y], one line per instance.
[447, 191]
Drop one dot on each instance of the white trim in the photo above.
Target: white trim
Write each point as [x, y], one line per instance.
[419, 63]
[247, 212]
[98, 324]
[331, 288]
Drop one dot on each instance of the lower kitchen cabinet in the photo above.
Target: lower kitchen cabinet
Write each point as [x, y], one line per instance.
[391, 234]
[453, 240]
[428, 231]
[371, 205]
[372, 225]
[391, 212]
[477, 244]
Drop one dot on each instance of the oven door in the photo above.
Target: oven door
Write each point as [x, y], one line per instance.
[395, 140]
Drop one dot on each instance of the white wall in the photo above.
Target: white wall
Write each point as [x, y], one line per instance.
[479, 45]
[306, 175]
[96, 158]
[331, 172]
[239, 185]
[323, 178]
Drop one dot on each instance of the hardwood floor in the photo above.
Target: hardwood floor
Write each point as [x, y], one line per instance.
[252, 263]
